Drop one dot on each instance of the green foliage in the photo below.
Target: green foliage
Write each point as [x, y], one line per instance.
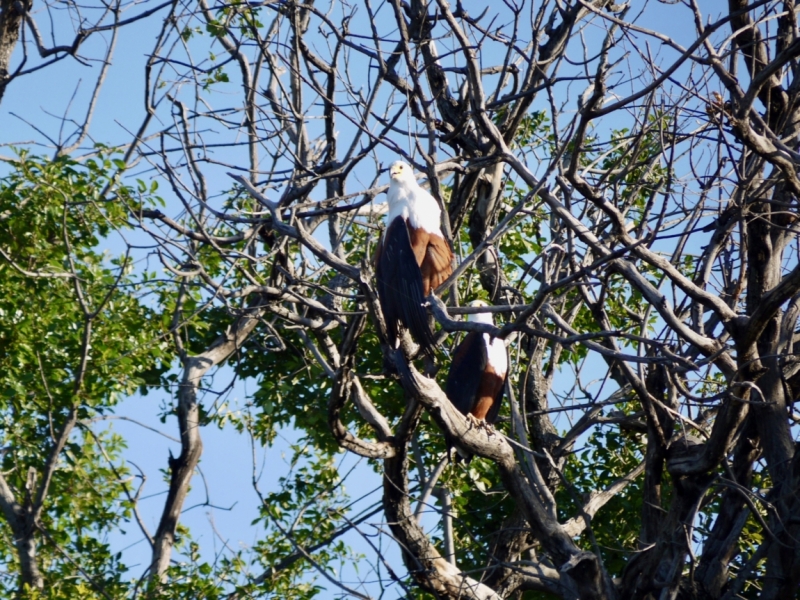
[216, 75]
[235, 15]
[607, 455]
[521, 245]
[192, 577]
[533, 130]
[481, 506]
[643, 172]
[73, 336]
[308, 508]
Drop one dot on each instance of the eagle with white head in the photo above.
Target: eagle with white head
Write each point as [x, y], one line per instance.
[477, 376]
[413, 257]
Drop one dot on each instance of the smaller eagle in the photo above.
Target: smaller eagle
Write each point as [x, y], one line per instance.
[478, 375]
[413, 257]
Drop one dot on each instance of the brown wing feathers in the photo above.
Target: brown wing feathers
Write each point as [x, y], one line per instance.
[434, 257]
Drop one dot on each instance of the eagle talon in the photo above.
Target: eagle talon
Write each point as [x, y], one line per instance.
[473, 421]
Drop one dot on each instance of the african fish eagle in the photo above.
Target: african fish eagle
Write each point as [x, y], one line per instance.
[478, 374]
[413, 257]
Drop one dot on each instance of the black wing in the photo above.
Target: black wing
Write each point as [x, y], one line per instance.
[400, 287]
[466, 371]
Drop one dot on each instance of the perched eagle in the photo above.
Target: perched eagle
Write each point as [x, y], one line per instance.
[478, 375]
[413, 257]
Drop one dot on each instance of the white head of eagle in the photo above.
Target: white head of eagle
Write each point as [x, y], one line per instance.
[410, 201]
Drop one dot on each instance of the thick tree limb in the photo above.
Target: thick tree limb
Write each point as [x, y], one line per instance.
[182, 468]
